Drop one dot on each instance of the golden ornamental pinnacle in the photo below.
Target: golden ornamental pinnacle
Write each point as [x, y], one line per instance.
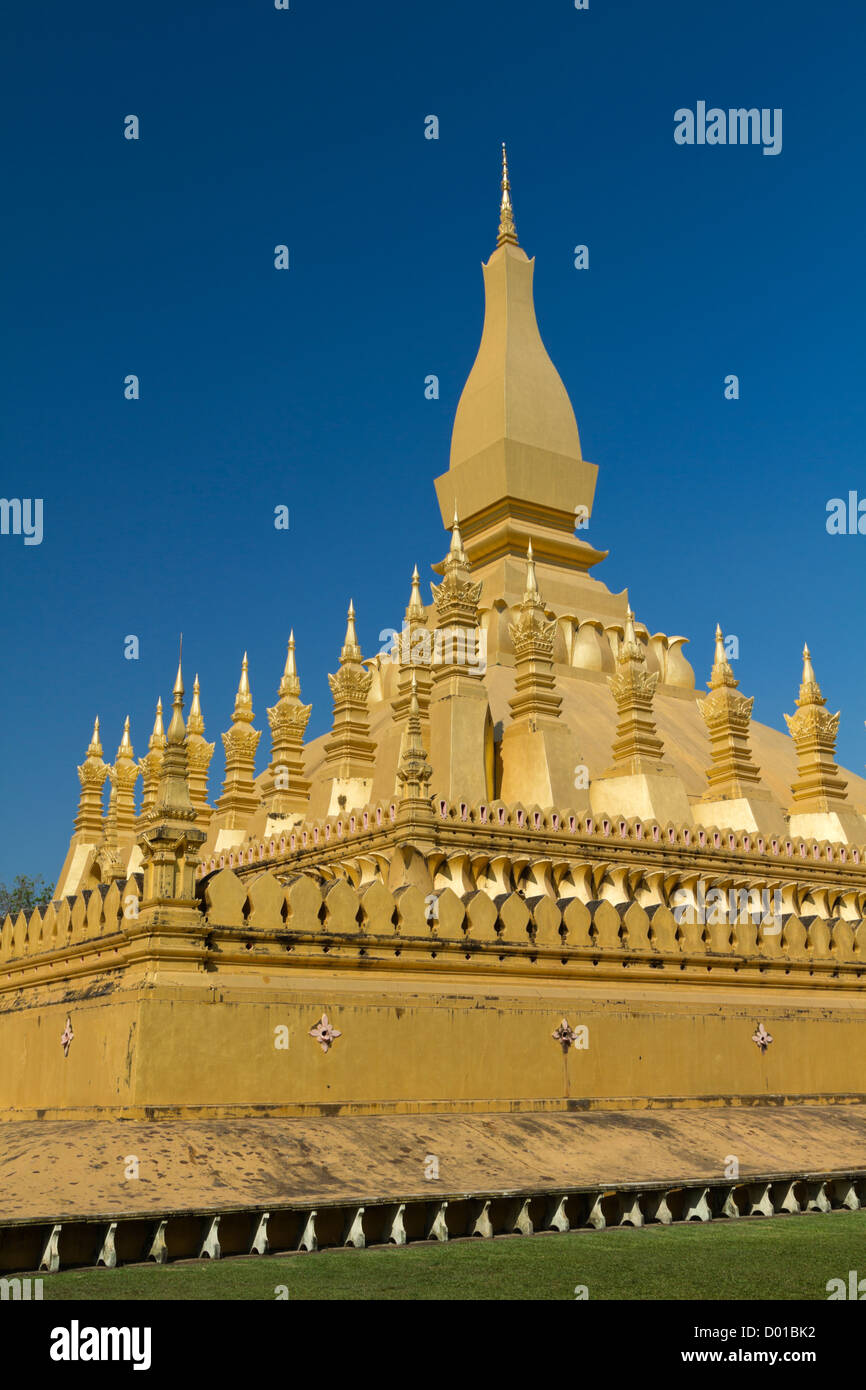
[195, 721]
[157, 738]
[810, 690]
[721, 674]
[243, 710]
[531, 591]
[290, 684]
[351, 650]
[507, 230]
[456, 557]
[415, 607]
[125, 748]
[95, 748]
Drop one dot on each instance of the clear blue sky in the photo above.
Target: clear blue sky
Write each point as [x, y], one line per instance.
[306, 387]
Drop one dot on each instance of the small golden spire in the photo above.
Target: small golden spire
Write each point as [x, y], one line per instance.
[176, 731]
[195, 722]
[810, 690]
[178, 680]
[630, 648]
[95, 747]
[413, 770]
[415, 608]
[243, 710]
[351, 650]
[125, 748]
[290, 685]
[455, 550]
[507, 231]
[721, 674]
[819, 787]
[808, 669]
[531, 581]
[157, 738]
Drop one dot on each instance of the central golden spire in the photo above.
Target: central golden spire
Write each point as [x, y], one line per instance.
[516, 467]
[507, 230]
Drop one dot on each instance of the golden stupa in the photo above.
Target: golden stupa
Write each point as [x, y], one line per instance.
[525, 817]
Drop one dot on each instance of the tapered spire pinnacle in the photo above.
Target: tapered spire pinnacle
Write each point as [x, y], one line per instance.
[507, 230]
[721, 674]
[349, 752]
[637, 749]
[198, 754]
[94, 749]
[413, 770]
[531, 580]
[168, 837]
[243, 710]
[123, 778]
[727, 714]
[178, 680]
[287, 788]
[157, 738]
[290, 684]
[456, 547]
[455, 561]
[239, 801]
[414, 655]
[151, 764]
[415, 608]
[631, 649]
[810, 690]
[195, 720]
[351, 650]
[91, 774]
[125, 748]
[532, 637]
[176, 730]
[814, 729]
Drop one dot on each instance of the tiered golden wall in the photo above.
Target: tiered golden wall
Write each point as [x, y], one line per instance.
[446, 1000]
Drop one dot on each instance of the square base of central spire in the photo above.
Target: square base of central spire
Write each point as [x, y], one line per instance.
[512, 493]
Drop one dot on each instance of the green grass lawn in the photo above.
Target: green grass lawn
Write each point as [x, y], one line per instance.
[780, 1258]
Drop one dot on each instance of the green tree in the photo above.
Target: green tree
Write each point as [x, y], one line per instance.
[23, 895]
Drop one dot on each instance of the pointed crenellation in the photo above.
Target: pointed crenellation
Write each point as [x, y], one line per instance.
[287, 788]
[239, 802]
[151, 764]
[169, 839]
[91, 774]
[532, 637]
[199, 753]
[637, 747]
[814, 730]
